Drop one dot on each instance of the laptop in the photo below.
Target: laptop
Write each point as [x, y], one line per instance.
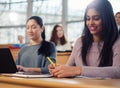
[7, 64]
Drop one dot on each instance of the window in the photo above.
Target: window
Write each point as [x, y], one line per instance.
[13, 16]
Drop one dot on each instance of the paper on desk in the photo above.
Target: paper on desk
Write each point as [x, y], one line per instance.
[28, 76]
[91, 77]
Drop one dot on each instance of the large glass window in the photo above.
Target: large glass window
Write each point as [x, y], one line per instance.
[75, 18]
[12, 20]
[9, 35]
[50, 11]
[13, 14]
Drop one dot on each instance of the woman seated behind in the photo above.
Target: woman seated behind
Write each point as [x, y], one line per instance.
[58, 37]
[33, 58]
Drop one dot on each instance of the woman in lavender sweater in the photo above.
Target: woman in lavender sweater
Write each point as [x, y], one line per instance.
[97, 52]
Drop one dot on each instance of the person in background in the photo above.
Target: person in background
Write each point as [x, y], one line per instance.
[117, 19]
[33, 58]
[97, 52]
[58, 37]
[20, 43]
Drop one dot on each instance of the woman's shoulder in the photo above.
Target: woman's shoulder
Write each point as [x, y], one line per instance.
[28, 48]
[78, 42]
[67, 43]
[23, 49]
[117, 43]
[118, 40]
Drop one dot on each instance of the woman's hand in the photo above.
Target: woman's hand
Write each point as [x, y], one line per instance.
[64, 71]
[51, 67]
[26, 69]
[21, 68]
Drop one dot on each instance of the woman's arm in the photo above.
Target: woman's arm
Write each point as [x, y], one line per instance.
[76, 50]
[90, 71]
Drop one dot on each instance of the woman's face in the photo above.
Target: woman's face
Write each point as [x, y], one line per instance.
[60, 32]
[117, 18]
[93, 21]
[33, 29]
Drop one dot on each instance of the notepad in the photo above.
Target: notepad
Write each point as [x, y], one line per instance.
[28, 76]
[92, 77]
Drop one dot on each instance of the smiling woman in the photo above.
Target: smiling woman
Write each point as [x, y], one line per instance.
[94, 23]
[33, 58]
[97, 52]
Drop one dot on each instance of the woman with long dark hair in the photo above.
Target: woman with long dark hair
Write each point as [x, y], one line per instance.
[97, 52]
[58, 37]
[33, 58]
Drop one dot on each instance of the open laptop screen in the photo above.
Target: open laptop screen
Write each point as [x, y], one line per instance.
[7, 64]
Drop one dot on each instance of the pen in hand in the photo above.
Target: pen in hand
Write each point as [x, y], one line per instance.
[51, 61]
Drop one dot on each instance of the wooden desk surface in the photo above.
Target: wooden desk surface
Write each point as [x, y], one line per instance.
[57, 83]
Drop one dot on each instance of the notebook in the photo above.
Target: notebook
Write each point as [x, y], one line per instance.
[28, 75]
[7, 64]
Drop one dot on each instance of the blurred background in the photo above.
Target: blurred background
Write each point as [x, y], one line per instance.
[69, 13]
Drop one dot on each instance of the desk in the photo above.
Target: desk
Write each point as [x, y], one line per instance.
[62, 57]
[14, 82]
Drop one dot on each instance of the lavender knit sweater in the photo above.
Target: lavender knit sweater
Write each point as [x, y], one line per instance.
[92, 59]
